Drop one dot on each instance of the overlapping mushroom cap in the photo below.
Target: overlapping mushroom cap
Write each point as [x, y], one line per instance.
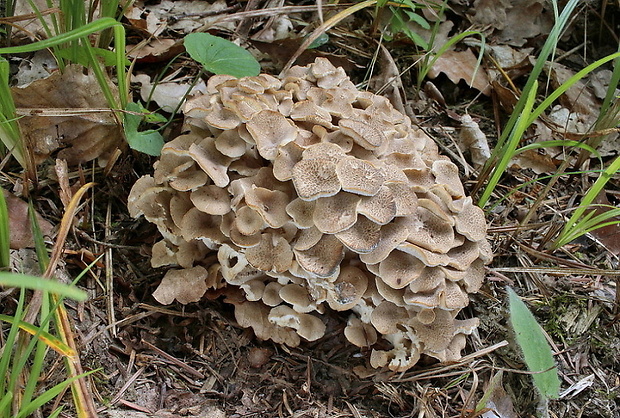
[307, 195]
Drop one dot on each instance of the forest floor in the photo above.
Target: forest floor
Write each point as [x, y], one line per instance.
[194, 360]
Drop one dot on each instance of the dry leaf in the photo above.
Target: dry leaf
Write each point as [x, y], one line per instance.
[579, 98]
[538, 162]
[183, 15]
[461, 65]
[156, 50]
[498, 403]
[475, 141]
[167, 95]
[19, 223]
[83, 137]
[186, 286]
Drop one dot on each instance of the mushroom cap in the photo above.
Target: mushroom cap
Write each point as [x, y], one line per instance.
[359, 333]
[307, 326]
[335, 213]
[270, 129]
[273, 253]
[211, 199]
[270, 204]
[348, 289]
[314, 178]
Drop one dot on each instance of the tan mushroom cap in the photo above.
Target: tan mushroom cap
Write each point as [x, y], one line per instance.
[248, 221]
[219, 117]
[200, 225]
[230, 144]
[380, 208]
[348, 289]
[359, 176]
[335, 213]
[243, 240]
[315, 178]
[307, 111]
[307, 238]
[163, 254]
[332, 152]
[307, 326]
[288, 155]
[211, 161]
[470, 221]
[364, 134]
[301, 212]
[323, 259]
[255, 315]
[392, 235]
[271, 294]
[359, 333]
[270, 204]
[399, 269]
[253, 289]
[447, 173]
[273, 253]
[363, 237]
[386, 317]
[430, 231]
[211, 199]
[270, 129]
[298, 297]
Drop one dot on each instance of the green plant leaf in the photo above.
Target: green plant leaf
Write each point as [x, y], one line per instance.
[221, 56]
[108, 57]
[536, 351]
[5, 237]
[149, 142]
[26, 281]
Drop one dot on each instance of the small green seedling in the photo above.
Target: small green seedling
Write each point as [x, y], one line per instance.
[536, 351]
[220, 56]
[149, 142]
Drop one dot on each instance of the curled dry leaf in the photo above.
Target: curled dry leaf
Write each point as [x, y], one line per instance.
[474, 140]
[81, 137]
[462, 65]
[167, 95]
[19, 223]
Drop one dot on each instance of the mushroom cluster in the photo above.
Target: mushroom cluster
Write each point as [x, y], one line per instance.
[305, 195]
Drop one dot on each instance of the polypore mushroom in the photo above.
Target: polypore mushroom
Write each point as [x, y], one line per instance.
[314, 196]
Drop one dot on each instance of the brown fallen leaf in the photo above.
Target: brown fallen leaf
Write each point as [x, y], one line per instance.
[58, 114]
[475, 141]
[20, 227]
[462, 65]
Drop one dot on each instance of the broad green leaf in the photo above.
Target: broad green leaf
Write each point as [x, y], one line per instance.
[149, 142]
[221, 56]
[26, 281]
[536, 351]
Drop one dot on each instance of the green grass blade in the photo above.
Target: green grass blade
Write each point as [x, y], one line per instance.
[48, 395]
[73, 35]
[39, 241]
[26, 281]
[587, 200]
[546, 51]
[5, 359]
[5, 402]
[53, 342]
[536, 351]
[509, 151]
[557, 143]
